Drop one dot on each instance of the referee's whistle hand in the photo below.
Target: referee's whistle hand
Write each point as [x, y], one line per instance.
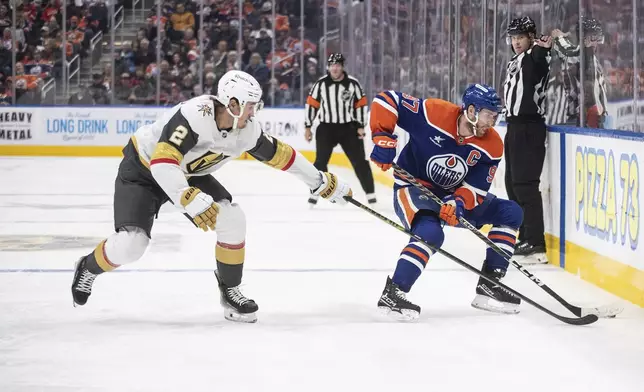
[361, 133]
[308, 135]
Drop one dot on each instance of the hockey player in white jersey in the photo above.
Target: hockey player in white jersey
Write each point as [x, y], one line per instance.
[170, 160]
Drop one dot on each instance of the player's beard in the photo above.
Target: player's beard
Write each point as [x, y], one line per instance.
[480, 130]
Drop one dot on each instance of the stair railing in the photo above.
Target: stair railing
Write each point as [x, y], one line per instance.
[44, 93]
[73, 68]
[96, 49]
[119, 17]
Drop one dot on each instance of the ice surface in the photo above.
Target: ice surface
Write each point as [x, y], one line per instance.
[316, 274]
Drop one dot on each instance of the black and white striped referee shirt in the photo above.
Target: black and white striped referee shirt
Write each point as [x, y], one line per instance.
[525, 85]
[336, 102]
[594, 80]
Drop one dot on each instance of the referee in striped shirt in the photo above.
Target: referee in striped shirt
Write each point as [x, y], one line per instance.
[524, 90]
[595, 104]
[341, 105]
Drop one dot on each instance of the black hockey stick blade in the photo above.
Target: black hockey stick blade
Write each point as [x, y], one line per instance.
[602, 311]
[585, 320]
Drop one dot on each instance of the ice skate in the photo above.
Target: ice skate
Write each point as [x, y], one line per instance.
[530, 254]
[236, 306]
[82, 284]
[393, 303]
[492, 297]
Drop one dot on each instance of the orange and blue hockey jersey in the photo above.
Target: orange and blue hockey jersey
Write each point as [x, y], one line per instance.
[436, 155]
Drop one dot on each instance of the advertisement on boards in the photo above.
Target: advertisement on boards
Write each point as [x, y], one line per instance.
[603, 196]
[96, 126]
[17, 125]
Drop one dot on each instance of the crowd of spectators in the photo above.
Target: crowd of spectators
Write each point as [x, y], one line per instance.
[38, 44]
[180, 71]
[409, 46]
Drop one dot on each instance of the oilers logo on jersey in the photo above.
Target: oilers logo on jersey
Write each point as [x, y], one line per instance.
[447, 171]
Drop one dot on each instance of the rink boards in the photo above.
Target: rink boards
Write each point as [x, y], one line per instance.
[590, 183]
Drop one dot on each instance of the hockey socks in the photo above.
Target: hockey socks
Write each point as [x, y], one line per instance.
[230, 262]
[97, 261]
[505, 238]
[415, 255]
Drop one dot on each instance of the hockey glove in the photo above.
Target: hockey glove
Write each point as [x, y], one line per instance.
[201, 207]
[384, 149]
[452, 210]
[333, 189]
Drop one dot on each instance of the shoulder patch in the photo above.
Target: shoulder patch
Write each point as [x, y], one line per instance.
[204, 109]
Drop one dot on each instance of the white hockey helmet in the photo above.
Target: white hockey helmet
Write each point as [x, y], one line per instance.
[241, 86]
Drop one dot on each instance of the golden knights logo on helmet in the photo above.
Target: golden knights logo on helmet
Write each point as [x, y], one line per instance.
[446, 171]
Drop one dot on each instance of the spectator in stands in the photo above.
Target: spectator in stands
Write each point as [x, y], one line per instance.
[5, 61]
[50, 12]
[37, 65]
[187, 84]
[123, 88]
[209, 84]
[233, 62]
[259, 70]
[127, 59]
[176, 96]
[164, 72]
[81, 98]
[5, 99]
[196, 91]
[189, 40]
[5, 17]
[21, 92]
[144, 54]
[208, 68]
[145, 92]
[311, 75]
[31, 81]
[181, 20]
[248, 50]
[98, 91]
[98, 16]
[7, 41]
[224, 33]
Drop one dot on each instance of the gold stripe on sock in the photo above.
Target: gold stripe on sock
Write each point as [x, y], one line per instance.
[230, 254]
[101, 258]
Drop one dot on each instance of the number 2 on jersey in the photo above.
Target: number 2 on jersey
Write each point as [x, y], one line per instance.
[180, 133]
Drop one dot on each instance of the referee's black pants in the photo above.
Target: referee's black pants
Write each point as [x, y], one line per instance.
[525, 152]
[327, 136]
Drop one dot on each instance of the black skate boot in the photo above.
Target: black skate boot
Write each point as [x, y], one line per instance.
[492, 297]
[236, 306]
[393, 303]
[530, 254]
[82, 284]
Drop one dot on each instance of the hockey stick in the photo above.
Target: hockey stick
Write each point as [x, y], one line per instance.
[587, 319]
[602, 311]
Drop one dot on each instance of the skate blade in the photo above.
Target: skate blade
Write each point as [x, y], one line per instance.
[233, 315]
[404, 315]
[483, 302]
[537, 258]
[74, 303]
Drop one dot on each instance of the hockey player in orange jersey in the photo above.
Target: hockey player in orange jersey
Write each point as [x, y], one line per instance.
[454, 151]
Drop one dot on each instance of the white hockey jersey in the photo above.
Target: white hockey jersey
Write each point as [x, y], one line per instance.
[191, 130]
[187, 142]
